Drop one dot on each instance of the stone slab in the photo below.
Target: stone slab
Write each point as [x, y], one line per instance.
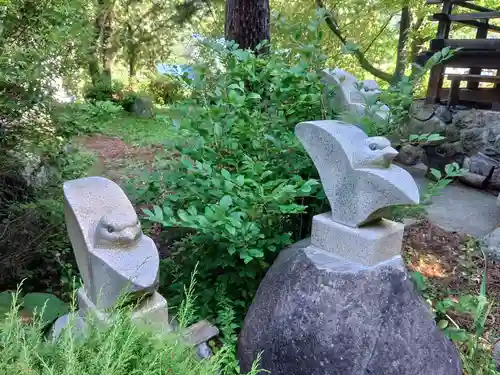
[368, 245]
[153, 310]
[460, 208]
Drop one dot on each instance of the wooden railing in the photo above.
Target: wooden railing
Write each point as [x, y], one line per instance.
[475, 54]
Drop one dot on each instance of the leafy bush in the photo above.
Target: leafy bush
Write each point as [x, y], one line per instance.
[84, 118]
[163, 89]
[103, 91]
[243, 176]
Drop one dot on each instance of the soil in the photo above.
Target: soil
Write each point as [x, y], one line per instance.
[453, 263]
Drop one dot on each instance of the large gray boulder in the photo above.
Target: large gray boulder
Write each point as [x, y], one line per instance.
[316, 314]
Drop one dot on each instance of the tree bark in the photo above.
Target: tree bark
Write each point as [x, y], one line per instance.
[247, 22]
[107, 51]
[402, 53]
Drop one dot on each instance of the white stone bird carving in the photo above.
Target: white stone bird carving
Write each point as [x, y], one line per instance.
[356, 171]
[112, 253]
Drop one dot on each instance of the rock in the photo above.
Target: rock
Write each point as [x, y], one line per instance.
[410, 155]
[496, 355]
[203, 350]
[486, 166]
[438, 156]
[474, 180]
[490, 244]
[316, 314]
[143, 107]
[472, 140]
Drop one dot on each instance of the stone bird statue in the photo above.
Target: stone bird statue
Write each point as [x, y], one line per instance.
[358, 178]
[112, 253]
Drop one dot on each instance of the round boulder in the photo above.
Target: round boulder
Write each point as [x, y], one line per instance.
[315, 314]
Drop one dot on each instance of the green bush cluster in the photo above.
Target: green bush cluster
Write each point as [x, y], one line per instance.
[163, 89]
[243, 187]
[121, 348]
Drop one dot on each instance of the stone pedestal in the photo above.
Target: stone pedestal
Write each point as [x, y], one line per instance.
[317, 314]
[153, 310]
[367, 246]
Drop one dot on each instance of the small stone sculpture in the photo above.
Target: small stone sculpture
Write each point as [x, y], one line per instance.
[342, 303]
[116, 260]
[356, 171]
[353, 94]
[112, 253]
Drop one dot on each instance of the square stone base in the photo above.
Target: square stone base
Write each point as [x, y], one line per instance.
[153, 310]
[367, 246]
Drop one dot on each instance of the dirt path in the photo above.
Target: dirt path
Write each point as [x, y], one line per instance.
[116, 159]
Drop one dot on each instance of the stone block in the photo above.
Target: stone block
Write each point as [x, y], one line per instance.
[367, 246]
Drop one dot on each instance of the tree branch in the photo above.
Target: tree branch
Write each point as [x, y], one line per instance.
[363, 61]
[379, 33]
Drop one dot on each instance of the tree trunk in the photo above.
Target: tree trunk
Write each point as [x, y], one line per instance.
[247, 22]
[132, 66]
[107, 53]
[402, 53]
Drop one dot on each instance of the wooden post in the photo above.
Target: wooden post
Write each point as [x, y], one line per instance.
[436, 76]
[481, 33]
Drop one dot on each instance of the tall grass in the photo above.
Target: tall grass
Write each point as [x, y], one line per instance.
[121, 348]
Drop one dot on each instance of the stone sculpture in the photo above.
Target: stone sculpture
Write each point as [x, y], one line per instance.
[356, 171]
[353, 94]
[341, 303]
[113, 255]
[117, 262]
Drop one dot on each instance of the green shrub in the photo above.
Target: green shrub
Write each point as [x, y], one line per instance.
[122, 348]
[164, 89]
[244, 187]
[103, 91]
[84, 118]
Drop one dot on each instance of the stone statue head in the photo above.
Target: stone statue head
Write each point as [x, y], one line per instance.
[356, 171]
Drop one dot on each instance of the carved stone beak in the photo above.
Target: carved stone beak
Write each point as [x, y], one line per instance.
[389, 154]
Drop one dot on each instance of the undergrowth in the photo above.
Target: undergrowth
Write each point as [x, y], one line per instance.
[124, 347]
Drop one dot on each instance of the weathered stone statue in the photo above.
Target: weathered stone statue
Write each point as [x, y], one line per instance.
[113, 255]
[117, 261]
[341, 303]
[352, 94]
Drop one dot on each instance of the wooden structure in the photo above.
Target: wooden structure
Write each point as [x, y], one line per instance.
[475, 54]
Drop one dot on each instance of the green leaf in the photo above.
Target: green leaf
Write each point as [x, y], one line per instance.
[456, 334]
[54, 307]
[183, 215]
[240, 180]
[443, 323]
[225, 173]
[253, 95]
[436, 173]
[158, 213]
[419, 281]
[435, 137]
[226, 202]
[256, 253]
